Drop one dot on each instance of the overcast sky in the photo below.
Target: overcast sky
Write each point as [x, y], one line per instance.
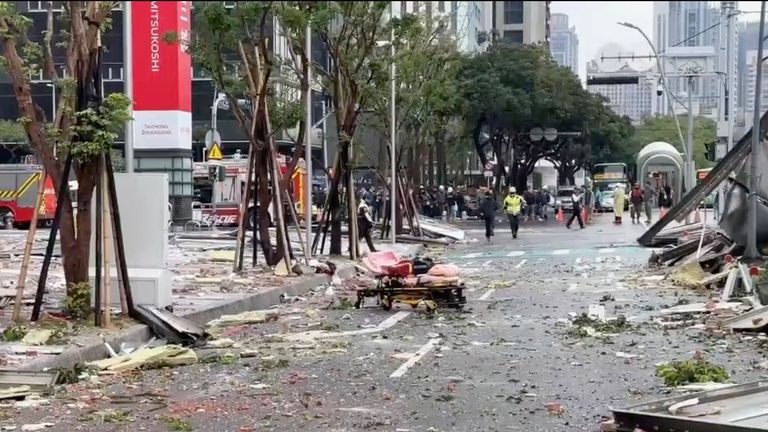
[596, 26]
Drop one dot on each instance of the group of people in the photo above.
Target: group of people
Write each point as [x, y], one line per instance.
[531, 205]
[440, 201]
[641, 201]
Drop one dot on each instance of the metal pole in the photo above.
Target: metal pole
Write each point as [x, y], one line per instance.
[325, 145]
[393, 140]
[689, 141]
[751, 252]
[308, 148]
[128, 80]
[730, 65]
[53, 102]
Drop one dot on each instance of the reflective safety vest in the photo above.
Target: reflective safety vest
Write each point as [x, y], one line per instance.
[513, 204]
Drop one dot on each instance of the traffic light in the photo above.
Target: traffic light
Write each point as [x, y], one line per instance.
[597, 80]
[216, 173]
[710, 153]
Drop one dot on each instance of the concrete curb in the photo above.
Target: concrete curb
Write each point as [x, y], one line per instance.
[140, 333]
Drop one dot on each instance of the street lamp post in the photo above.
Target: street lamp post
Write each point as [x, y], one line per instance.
[128, 87]
[308, 145]
[757, 135]
[392, 129]
[668, 94]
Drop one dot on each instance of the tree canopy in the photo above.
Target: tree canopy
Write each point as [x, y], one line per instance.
[664, 129]
[510, 89]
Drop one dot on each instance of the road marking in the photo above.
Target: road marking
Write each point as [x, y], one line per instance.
[415, 359]
[606, 250]
[521, 263]
[516, 253]
[572, 287]
[487, 294]
[561, 252]
[468, 264]
[473, 255]
[322, 334]
[578, 260]
[487, 263]
[645, 225]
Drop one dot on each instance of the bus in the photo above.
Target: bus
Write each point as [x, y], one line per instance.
[606, 175]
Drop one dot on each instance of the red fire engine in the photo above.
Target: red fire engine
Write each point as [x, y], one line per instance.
[18, 193]
[219, 186]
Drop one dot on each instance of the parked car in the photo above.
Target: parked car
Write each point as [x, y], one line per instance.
[471, 206]
[564, 198]
[606, 204]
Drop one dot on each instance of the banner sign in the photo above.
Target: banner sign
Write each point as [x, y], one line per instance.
[161, 72]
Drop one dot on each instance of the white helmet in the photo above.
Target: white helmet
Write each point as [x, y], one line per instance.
[441, 188]
[512, 189]
[450, 189]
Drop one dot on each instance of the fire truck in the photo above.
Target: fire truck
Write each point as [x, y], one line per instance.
[18, 193]
[220, 185]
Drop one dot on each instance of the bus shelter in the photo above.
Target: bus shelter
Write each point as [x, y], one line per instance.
[663, 164]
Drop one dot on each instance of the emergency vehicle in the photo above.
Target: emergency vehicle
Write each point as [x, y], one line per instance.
[18, 193]
[220, 185]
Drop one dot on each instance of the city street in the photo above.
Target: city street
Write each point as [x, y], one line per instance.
[507, 362]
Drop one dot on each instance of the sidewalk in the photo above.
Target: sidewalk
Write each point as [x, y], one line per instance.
[203, 289]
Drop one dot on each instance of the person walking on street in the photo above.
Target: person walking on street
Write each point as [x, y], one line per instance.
[488, 208]
[578, 200]
[365, 223]
[589, 201]
[450, 202]
[530, 203]
[441, 199]
[649, 193]
[618, 203]
[636, 203]
[513, 206]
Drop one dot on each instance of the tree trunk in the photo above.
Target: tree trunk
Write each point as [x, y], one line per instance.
[431, 166]
[334, 193]
[261, 169]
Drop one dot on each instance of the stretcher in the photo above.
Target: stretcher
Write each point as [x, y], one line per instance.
[396, 283]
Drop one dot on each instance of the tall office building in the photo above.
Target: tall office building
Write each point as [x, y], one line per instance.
[688, 24]
[563, 43]
[521, 21]
[464, 19]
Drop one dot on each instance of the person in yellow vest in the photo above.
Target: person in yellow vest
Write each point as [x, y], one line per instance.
[513, 206]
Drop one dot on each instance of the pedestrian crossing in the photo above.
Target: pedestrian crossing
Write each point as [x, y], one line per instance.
[583, 262]
[601, 252]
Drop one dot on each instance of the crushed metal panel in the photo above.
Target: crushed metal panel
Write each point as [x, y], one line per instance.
[739, 408]
[443, 229]
[734, 218]
[39, 382]
[750, 321]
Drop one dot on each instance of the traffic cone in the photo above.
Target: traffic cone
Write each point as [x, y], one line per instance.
[559, 215]
[662, 212]
[584, 215]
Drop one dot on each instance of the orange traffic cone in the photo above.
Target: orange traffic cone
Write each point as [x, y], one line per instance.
[559, 215]
[662, 212]
[584, 215]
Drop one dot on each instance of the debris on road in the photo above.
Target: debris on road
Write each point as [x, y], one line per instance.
[166, 355]
[250, 317]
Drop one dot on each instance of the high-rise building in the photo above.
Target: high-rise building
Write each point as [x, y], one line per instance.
[748, 33]
[521, 21]
[688, 24]
[563, 43]
[632, 100]
[464, 19]
[749, 76]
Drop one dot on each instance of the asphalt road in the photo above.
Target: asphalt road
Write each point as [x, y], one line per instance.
[505, 363]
